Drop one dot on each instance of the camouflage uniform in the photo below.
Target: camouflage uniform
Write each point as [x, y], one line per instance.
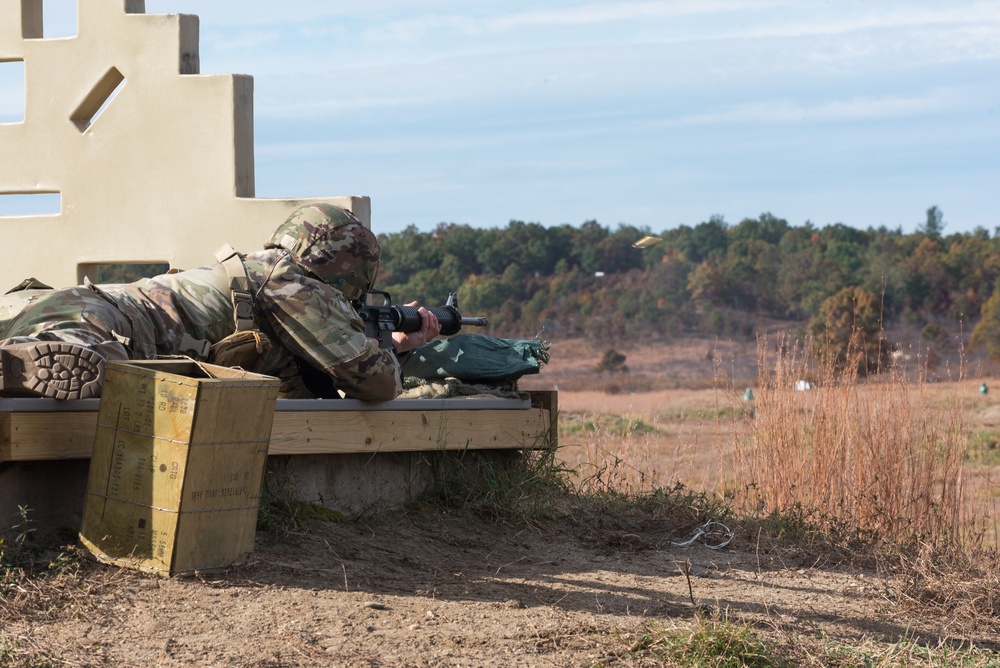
[316, 263]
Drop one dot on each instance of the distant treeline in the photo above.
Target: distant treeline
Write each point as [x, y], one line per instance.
[714, 278]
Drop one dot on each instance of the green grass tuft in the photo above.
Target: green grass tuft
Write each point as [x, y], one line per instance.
[710, 642]
[614, 425]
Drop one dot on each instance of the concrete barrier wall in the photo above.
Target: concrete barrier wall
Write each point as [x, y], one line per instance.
[164, 173]
[351, 484]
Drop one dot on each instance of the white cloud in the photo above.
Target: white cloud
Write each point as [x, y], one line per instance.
[433, 95]
[855, 109]
[575, 15]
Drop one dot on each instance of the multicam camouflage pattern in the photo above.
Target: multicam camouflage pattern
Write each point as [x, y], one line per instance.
[164, 308]
[75, 315]
[309, 319]
[303, 316]
[333, 244]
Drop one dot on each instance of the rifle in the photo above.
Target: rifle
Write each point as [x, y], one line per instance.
[382, 321]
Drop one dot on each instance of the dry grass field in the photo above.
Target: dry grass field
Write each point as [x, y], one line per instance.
[678, 411]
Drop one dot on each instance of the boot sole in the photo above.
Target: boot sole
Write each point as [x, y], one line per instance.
[56, 370]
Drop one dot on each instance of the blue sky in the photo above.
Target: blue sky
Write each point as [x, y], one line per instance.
[653, 114]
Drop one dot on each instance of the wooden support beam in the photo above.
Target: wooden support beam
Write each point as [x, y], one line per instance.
[34, 436]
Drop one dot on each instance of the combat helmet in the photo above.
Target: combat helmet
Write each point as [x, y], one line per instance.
[333, 244]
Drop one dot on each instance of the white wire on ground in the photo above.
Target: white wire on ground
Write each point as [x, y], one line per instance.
[707, 529]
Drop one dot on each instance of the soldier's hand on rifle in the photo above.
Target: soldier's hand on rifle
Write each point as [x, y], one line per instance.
[429, 330]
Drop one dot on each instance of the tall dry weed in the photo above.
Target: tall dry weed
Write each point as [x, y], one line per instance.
[873, 455]
[640, 449]
[621, 459]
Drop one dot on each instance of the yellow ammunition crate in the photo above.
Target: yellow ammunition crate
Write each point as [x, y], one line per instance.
[178, 462]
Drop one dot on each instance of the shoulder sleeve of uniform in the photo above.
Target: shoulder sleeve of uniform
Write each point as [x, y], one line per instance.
[315, 321]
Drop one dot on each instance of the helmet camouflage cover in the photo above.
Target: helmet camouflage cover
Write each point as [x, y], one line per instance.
[333, 244]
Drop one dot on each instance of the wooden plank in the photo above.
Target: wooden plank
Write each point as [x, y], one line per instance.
[548, 400]
[46, 436]
[36, 436]
[4, 437]
[406, 431]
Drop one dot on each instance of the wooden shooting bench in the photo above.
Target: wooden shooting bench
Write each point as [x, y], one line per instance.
[151, 164]
[34, 430]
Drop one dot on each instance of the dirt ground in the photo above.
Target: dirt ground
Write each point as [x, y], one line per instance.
[434, 587]
[445, 589]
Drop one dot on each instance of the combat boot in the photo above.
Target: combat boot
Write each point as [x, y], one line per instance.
[51, 369]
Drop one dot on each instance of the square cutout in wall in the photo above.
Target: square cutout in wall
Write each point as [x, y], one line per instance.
[12, 93]
[119, 272]
[59, 18]
[17, 205]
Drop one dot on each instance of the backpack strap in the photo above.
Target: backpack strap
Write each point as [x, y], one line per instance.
[241, 296]
[247, 348]
[239, 287]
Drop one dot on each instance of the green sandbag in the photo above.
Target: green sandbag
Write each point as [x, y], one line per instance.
[476, 358]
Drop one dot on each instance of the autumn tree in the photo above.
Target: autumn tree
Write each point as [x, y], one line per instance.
[848, 330]
[986, 333]
[926, 285]
[705, 240]
[713, 277]
[934, 224]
